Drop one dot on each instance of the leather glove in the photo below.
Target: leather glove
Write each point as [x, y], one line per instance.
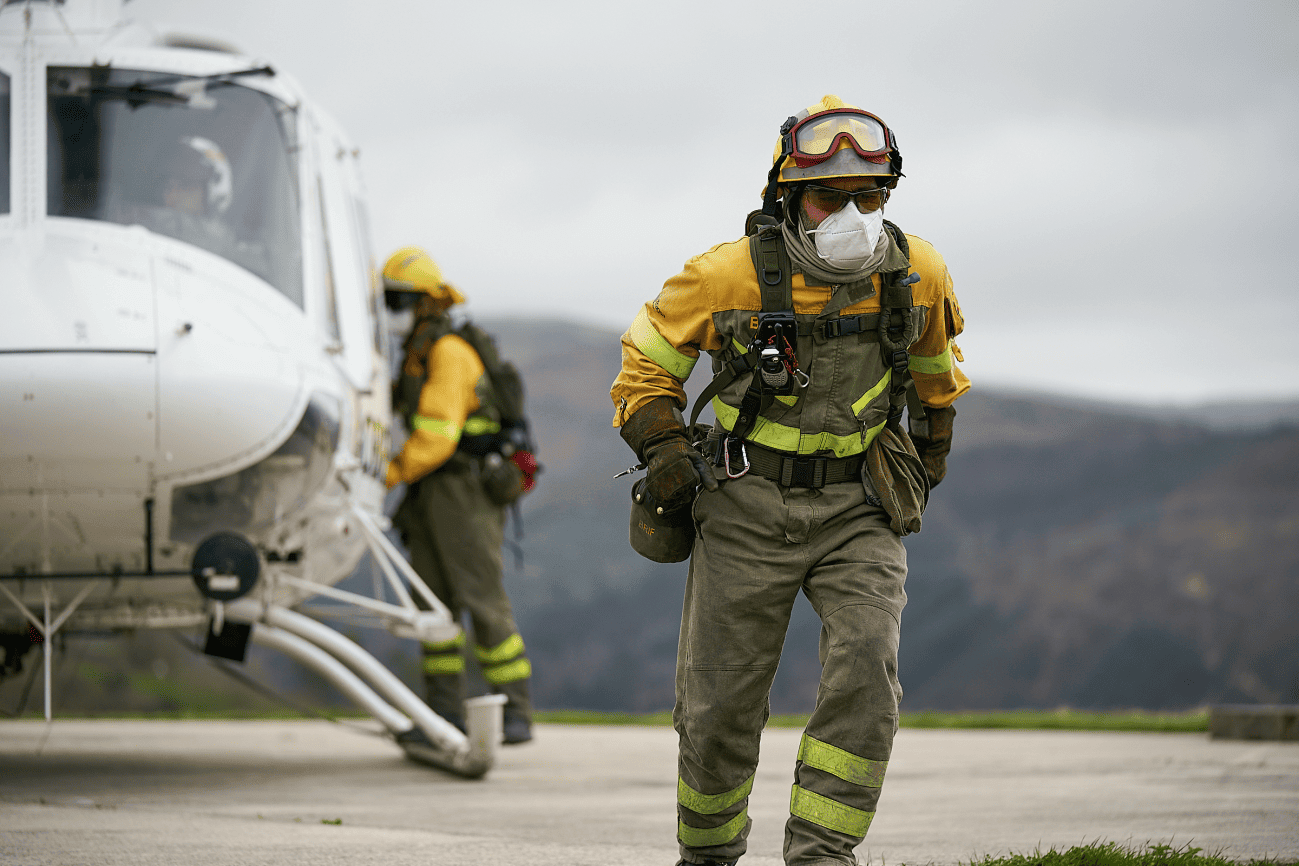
[674, 469]
[933, 449]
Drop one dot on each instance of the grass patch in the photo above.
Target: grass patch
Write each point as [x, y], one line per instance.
[1037, 720]
[1113, 854]
[1196, 721]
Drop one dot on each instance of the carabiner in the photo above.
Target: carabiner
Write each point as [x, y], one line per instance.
[726, 457]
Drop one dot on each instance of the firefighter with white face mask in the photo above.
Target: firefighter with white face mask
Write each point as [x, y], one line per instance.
[823, 324]
[467, 458]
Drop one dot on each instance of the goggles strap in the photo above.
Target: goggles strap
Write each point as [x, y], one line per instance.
[773, 177]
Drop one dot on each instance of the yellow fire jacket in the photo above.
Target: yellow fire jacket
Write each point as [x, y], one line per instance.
[712, 306]
[451, 371]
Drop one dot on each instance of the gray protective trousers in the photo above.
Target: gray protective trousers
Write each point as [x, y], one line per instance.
[758, 545]
[454, 532]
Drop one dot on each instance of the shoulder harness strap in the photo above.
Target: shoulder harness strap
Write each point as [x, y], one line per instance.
[897, 331]
[775, 281]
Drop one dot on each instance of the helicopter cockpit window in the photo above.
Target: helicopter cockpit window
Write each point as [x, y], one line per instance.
[4, 143]
[202, 160]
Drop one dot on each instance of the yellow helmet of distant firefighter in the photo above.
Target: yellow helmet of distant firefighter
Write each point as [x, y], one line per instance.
[411, 272]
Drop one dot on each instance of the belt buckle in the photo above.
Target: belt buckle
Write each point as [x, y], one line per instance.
[726, 457]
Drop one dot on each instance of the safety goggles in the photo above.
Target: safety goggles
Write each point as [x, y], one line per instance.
[816, 138]
[830, 200]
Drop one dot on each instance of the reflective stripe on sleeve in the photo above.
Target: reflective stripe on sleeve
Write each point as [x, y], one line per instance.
[845, 765]
[711, 804]
[932, 364]
[645, 336]
[828, 813]
[436, 426]
[703, 837]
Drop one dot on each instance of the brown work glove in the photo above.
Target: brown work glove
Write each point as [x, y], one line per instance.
[933, 449]
[674, 469]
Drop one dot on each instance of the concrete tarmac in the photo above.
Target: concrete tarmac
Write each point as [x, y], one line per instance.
[311, 792]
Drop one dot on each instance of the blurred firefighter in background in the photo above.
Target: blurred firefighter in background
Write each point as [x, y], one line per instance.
[468, 457]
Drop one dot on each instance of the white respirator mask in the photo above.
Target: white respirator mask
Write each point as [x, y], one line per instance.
[847, 238]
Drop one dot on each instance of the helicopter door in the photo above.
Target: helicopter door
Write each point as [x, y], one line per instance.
[347, 262]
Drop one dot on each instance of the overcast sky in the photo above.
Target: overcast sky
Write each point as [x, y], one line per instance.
[1114, 183]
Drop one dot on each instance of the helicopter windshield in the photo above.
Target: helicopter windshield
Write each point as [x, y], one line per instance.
[201, 160]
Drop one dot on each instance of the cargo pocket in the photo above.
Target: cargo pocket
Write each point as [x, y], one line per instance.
[899, 478]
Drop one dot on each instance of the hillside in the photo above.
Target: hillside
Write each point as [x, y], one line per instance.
[1085, 554]
[1082, 554]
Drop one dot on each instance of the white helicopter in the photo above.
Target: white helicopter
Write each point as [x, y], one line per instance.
[194, 377]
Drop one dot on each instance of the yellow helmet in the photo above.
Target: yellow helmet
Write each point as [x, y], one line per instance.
[835, 139]
[826, 140]
[413, 270]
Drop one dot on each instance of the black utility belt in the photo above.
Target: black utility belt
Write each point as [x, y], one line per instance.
[788, 470]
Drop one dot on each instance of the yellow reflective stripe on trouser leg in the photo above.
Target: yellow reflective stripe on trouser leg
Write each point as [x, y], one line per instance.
[845, 765]
[439, 664]
[510, 672]
[444, 646]
[503, 663]
[507, 650]
[711, 804]
[645, 336]
[443, 657]
[828, 813]
[703, 837]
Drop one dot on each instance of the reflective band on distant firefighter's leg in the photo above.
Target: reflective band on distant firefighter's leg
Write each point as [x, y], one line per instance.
[711, 804]
[439, 664]
[507, 650]
[701, 837]
[845, 765]
[510, 672]
[828, 813]
[445, 646]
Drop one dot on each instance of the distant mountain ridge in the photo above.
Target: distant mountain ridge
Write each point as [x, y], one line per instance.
[1079, 553]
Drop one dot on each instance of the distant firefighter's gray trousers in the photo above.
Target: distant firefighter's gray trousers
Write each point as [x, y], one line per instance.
[454, 532]
[758, 545]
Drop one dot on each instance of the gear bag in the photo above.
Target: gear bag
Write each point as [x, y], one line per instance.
[499, 427]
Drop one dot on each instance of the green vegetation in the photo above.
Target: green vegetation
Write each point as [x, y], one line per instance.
[1196, 721]
[1063, 719]
[1112, 854]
